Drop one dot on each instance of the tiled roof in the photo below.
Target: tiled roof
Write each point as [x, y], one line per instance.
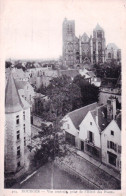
[78, 115]
[13, 102]
[118, 120]
[26, 105]
[100, 113]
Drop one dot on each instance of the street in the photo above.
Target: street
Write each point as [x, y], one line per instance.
[44, 178]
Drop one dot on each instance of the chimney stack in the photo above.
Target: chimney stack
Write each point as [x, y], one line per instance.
[111, 108]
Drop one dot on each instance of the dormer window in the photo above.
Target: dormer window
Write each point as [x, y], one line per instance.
[90, 123]
[112, 132]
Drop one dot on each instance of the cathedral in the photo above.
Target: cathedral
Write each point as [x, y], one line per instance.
[91, 49]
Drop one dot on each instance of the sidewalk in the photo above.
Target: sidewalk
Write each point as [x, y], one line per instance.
[100, 165]
[94, 174]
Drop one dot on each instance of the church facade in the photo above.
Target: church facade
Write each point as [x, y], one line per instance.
[91, 49]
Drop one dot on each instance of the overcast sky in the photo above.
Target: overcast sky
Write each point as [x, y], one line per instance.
[33, 28]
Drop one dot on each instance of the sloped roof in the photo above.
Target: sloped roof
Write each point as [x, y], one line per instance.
[71, 72]
[112, 46]
[100, 113]
[26, 105]
[98, 28]
[118, 120]
[13, 102]
[78, 115]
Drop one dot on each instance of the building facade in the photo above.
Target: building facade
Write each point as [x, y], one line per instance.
[17, 129]
[85, 49]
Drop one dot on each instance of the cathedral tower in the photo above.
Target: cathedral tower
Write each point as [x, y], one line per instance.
[68, 42]
[98, 45]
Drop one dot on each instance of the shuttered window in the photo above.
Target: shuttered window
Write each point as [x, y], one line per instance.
[112, 145]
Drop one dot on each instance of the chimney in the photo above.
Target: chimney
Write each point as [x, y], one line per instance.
[111, 108]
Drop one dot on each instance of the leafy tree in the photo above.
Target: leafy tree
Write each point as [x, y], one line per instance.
[65, 96]
[89, 92]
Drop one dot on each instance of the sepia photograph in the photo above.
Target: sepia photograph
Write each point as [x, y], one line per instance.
[62, 65]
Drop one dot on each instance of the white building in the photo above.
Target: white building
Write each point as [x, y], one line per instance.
[90, 131]
[72, 121]
[111, 144]
[17, 129]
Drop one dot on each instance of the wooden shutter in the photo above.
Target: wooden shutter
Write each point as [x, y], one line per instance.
[108, 145]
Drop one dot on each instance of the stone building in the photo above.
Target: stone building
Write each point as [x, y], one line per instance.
[17, 129]
[84, 49]
[113, 53]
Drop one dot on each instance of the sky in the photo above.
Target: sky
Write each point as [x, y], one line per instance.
[33, 28]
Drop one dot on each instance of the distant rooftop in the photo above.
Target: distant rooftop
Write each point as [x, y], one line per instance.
[112, 46]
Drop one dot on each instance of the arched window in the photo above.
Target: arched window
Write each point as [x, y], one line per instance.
[109, 55]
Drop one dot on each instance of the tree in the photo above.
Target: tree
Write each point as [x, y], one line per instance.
[89, 92]
[65, 96]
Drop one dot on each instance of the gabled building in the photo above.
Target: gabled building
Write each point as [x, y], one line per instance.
[72, 121]
[17, 129]
[90, 131]
[111, 144]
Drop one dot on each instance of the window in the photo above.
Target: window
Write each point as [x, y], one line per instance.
[24, 115]
[90, 123]
[18, 151]
[112, 133]
[24, 128]
[17, 120]
[18, 135]
[24, 141]
[90, 136]
[18, 164]
[112, 145]
[68, 126]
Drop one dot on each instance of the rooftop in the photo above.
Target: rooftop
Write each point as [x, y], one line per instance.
[112, 46]
[13, 101]
[100, 116]
[78, 115]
